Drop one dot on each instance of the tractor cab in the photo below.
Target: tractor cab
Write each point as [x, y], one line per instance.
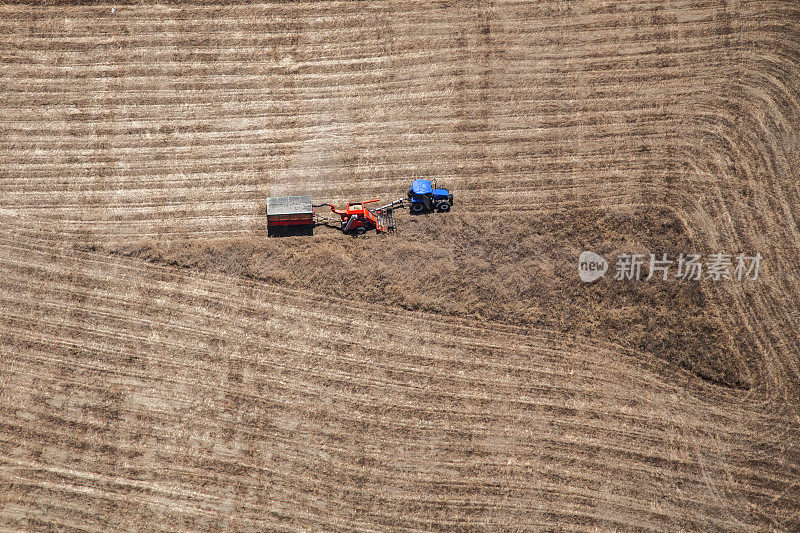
[424, 197]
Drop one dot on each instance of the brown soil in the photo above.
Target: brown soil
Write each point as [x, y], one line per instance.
[163, 365]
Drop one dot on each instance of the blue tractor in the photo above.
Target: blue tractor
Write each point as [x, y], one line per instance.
[424, 198]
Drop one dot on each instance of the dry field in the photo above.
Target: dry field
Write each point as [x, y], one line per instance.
[165, 366]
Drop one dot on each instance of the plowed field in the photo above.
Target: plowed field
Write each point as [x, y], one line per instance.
[165, 366]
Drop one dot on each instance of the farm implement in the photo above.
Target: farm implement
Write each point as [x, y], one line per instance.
[356, 219]
[296, 215]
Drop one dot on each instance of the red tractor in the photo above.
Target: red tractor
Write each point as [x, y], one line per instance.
[357, 219]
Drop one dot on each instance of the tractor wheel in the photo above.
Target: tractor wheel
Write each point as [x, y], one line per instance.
[361, 230]
[417, 207]
[443, 207]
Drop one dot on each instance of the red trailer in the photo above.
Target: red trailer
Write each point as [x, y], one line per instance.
[290, 215]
